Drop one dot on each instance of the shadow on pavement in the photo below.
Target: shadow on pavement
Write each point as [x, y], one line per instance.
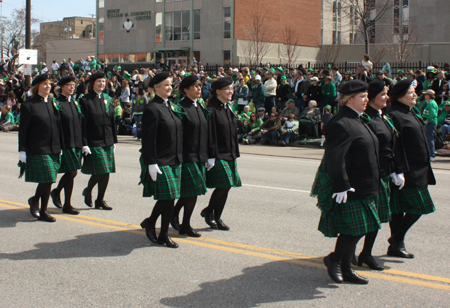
[10, 218]
[268, 283]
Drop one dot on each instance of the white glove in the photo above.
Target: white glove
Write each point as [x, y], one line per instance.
[86, 150]
[154, 171]
[400, 181]
[210, 163]
[341, 197]
[23, 156]
[114, 148]
[394, 178]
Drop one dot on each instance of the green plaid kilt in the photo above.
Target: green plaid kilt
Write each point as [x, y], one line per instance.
[101, 161]
[223, 174]
[70, 160]
[383, 207]
[42, 168]
[193, 180]
[415, 200]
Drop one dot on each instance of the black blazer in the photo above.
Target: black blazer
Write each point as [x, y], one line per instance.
[195, 132]
[386, 138]
[411, 153]
[222, 126]
[40, 129]
[98, 126]
[71, 123]
[162, 134]
[436, 87]
[351, 155]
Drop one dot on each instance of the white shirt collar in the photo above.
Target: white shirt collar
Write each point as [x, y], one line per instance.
[99, 94]
[68, 97]
[195, 102]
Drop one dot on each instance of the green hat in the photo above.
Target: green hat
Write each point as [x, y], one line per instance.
[329, 66]
[208, 79]
[283, 78]
[252, 73]
[447, 103]
[187, 74]
[430, 69]
[127, 76]
[328, 107]
[310, 69]
[280, 68]
[400, 71]
[64, 60]
[214, 76]
[272, 70]
[265, 68]
[290, 101]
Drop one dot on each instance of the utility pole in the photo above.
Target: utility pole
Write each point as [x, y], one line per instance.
[28, 36]
[3, 29]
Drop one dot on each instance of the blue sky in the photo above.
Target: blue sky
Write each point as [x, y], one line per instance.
[46, 10]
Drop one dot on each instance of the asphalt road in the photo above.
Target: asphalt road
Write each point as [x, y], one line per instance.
[272, 257]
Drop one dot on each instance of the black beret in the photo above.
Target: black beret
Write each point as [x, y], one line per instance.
[353, 86]
[401, 87]
[40, 78]
[158, 78]
[96, 76]
[188, 81]
[65, 80]
[375, 88]
[221, 83]
[326, 72]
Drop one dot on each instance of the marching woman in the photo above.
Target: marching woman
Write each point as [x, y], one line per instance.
[347, 181]
[40, 144]
[162, 155]
[99, 139]
[195, 152]
[223, 150]
[411, 199]
[384, 130]
[70, 114]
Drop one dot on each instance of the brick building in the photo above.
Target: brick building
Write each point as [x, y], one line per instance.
[68, 28]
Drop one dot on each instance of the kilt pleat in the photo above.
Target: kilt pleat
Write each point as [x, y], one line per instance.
[223, 174]
[415, 200]
[383, 200]
[193, 180]
[101, 161]
[70, 160]
[42, 168]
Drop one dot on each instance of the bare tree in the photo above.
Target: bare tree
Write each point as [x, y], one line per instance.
[291, 48]
[405, 43]
[328, 53]
[377, 52]
[257, 36]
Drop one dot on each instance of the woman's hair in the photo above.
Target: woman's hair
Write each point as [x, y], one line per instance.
[432, 96]
[246, 106]
[11, 96]
[35, 89]
[140, 90]
[245, 120]
[160, 83]
[182, 92]
[58, 91]
[394, 97]
[313, 102]
[256, 117]
[213, 94]
[343, 99]
[124, 81]
[139, 77]
[81, 80]
[241, 79]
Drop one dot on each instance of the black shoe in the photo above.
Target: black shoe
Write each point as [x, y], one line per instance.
[102, 205]
[189, 232]
[398, 249]
[354, 262]
[34, 207]
[334, 269]
[68, 209]
[87, 197]
[221, 225]
[370, 261]
[209, 219]
[168, 241]
[351, 276]
[175, 223]
[44, 216]
[149, 230]
[56, 199]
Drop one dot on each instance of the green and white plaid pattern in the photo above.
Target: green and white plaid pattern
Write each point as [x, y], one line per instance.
[42, 168]
[193, 180]
[383, 207]
[223, 174]
[101, 161]
[167, 185]
[70, 160]
[415, 200]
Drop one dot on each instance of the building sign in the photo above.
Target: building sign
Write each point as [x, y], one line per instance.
[143, 15]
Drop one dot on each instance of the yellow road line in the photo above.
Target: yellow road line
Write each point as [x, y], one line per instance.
[204, 242]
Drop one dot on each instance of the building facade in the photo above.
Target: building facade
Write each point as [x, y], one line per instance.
[214, 32]
[68, 28]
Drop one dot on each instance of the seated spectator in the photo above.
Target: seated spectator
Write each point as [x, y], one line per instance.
[444, 120]
[270, 128]
[326, 118]
[289, 131]
[11, 101]
[243, 130]
[9, 117]
[290, 108]
[245, 114]
[262, 114]
[309, 119]
[254, 134]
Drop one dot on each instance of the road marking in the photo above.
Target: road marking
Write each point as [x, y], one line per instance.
[255, 251]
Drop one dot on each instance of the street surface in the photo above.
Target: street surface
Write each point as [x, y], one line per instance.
[272, 257]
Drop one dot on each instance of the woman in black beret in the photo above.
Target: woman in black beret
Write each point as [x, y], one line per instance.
[162, 156]
[383, 128]
[349, 171]
[223, 150]
[411, 198]
[99, 139]
[195, 152]
[40, 144]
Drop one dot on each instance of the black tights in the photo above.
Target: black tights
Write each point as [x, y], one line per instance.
[66, 182]
[102, 180]
[43, 193]
[345, 248]
[217, 201]
[188, 204]
[400, 224]
[165, 209]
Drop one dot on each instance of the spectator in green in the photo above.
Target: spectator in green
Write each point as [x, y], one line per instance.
[254, 134]
[290, 108]
[289, 131]
[328, 92]
[246, 113]
[92, 63]
[428, 83]
[444, 120]
[259, 93]
[429, 115]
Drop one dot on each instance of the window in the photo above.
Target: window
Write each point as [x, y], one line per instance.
[337, 15]
[353, 23]
[226, 22]
[158, 27]
[177, 26]
[101, 4]
[196, 24]
[81, 22]
[401, 17]
[226, 57]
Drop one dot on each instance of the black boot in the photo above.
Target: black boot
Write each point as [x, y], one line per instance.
[189, 232]
[175, 223]
[34, 207]
[209, 218]
[149, 230]
[221, 225]
[68, 209]
[165, 239]
[87, 197]
[370, 261]
[334, 269]
[398, 249]
[102, 205]
[56, 199]
[46, 217]
[351, 276]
